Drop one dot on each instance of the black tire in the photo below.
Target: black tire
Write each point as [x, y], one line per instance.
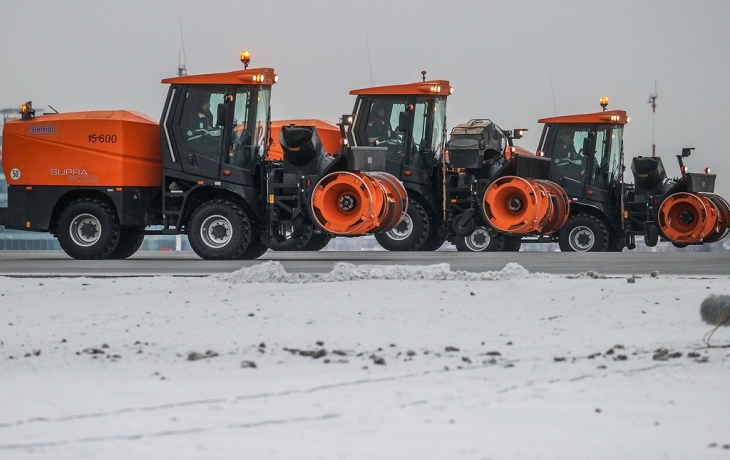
[317, 242]
[130, 240]
[88, 229]
[219, 230]
[256, 248]
[512, 244]
[583, 233]
[435, 240]
[410, 234]
[479, 241]
[651, 236]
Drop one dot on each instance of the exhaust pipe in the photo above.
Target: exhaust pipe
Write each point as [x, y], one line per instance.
[520, 206]
[693, 218]
[354, 203]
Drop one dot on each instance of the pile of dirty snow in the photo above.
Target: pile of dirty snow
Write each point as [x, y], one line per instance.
[274, 272]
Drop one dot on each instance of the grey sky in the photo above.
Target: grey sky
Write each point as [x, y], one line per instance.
[499, 55]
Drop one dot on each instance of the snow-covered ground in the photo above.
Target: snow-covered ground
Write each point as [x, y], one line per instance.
[364, 362]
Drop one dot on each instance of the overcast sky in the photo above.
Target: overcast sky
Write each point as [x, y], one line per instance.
[512, 61]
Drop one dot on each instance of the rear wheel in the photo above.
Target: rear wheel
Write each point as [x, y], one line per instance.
[88, 229]
[410, 234]
[219, 230]
[479, 241]
[130, 240]
[583, 233]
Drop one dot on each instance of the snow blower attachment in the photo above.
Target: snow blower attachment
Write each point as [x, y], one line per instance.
[516, 197]
[354, 202]
[349, 194]
[688, 212]
[521, 206]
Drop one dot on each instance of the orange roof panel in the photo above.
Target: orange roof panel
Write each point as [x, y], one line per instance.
[237, 77]
[421, 87]
[598, 117]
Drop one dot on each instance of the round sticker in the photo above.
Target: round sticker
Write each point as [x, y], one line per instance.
[15, 173]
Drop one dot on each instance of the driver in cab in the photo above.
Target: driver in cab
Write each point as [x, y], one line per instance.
[565, 149]
[378, 128]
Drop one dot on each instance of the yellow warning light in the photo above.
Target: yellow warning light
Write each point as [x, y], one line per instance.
[26, 111]
[604, 102]
[615, 118]
[245, 58]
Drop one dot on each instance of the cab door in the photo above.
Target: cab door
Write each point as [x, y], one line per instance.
[197, 132]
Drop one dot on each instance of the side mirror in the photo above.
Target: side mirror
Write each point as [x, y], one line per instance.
[402, 121]
[222, 115]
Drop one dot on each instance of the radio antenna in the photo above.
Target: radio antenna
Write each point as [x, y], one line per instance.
[182, 68]
[370, 63]
[555, 108]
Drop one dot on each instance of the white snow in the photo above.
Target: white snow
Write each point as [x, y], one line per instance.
[387, 362]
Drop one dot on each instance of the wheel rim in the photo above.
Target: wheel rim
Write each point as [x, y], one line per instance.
[85, 230]
[216, 231]
[402, 230]
[478, 240]
[581, 238]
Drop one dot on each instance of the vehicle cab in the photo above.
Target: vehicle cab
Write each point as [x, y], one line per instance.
[410, 120]
[586, 153]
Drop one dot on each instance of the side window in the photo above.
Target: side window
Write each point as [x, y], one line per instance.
[198, 124]
[568, 155]
[382, 126]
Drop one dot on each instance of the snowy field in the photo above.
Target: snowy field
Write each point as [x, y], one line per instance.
[362, 363]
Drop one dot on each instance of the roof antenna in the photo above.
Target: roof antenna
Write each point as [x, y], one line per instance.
[182, 68]
[555, 108]
[369, 62]
[423, 75]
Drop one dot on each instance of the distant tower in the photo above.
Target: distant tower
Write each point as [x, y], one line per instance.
[652, 100]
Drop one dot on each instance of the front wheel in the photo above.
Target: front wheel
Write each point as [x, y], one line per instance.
[583, 233]
[88, 229]
[479, 241]
[410, 234]
[219, 230]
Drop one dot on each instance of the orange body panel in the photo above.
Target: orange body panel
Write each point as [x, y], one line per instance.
[598, 117]
[329, 134]
[424, 87]
[93, 149]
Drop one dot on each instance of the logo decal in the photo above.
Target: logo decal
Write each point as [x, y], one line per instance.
[42, 130]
